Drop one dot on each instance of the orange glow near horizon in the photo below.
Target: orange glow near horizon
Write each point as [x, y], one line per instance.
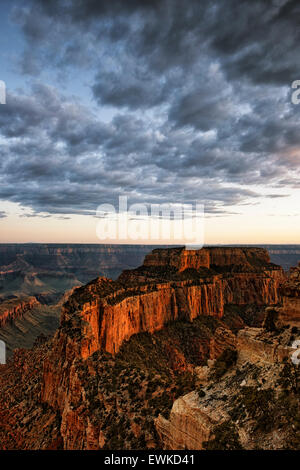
[267, 223]
[219, 230]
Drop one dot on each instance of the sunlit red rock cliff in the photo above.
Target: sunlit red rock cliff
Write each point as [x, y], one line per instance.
[126, 349]
[171, 285]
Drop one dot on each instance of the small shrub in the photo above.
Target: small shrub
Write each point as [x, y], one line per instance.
[225, 438]
[201, 393]
[270, 320]
[224, 362]
[259, 406]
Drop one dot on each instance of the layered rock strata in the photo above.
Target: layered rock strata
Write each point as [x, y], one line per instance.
[258, 397]
[251, 399]
[100, 317]
[11, 310]
[290, 291]
[171, 285]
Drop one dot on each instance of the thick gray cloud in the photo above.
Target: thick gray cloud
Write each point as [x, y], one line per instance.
[256, 40]
[199, 94]
[69, 161]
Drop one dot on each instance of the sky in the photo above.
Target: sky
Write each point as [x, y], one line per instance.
[161, 101]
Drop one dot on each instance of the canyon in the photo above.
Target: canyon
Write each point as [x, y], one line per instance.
[125, 367]
[35, 277]
[46, 271]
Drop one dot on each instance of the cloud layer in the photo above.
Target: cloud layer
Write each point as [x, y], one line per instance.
[198, 93]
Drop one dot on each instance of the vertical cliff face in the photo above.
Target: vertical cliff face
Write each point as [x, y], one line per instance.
[290, 291]
[176, 290]
[244, 257]
[105, 313]
[178, 258]
[110, 312]
[259, 288]
[182, 259]
[100, 317]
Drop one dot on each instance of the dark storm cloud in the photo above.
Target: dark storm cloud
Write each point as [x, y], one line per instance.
[256, 40]
[199, 93]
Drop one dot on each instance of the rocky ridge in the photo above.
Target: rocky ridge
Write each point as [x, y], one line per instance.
[174, 284]
[16, 308]
[112, 359]
[254, 403]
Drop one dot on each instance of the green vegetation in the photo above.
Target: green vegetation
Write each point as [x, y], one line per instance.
[201, 392]
[238, 316]
[289, 378]
[179, 344]
[225, 438]
[126, 398]
[224, 362]
[258, 405]
[270, 320]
